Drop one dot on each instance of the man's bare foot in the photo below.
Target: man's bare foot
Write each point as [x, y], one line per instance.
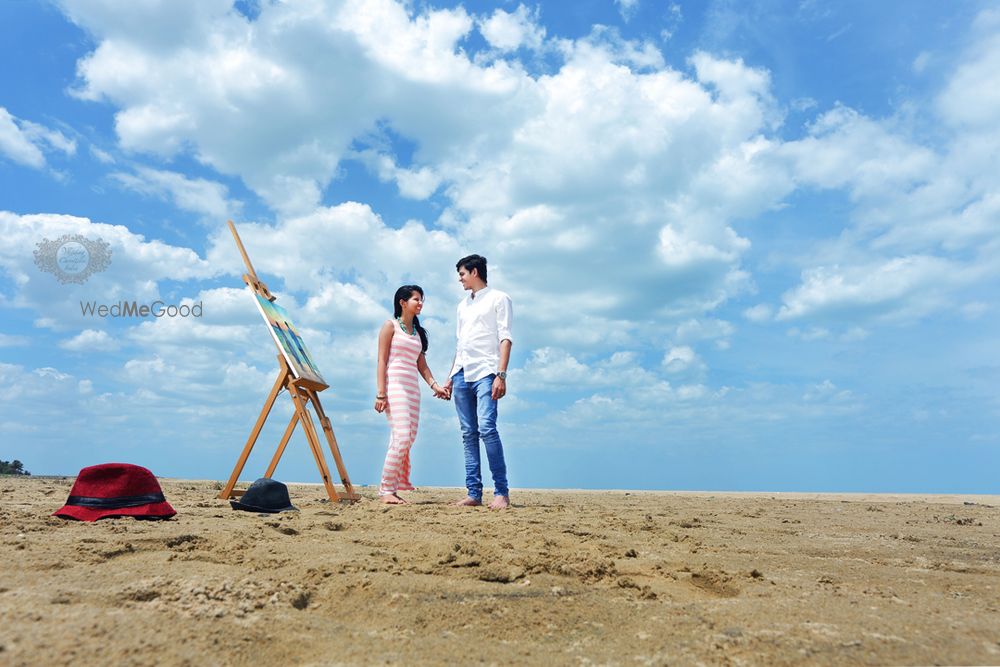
[500, 503]
[393, 499]
[468, 501]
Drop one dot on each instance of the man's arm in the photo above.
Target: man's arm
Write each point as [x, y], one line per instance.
[499, 383]
[447, 383]
[505, 320]
[458, 333]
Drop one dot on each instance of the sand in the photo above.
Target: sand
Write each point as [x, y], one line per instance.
[563, 578]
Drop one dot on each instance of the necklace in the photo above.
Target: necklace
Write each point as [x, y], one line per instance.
[403, 327]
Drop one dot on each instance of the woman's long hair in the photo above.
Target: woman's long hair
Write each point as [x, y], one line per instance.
[403, 294]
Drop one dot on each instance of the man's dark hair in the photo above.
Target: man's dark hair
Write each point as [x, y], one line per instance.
[477, 262]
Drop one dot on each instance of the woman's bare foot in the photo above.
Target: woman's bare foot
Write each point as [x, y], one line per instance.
[500, 503]
[469, 501]
[393, 499]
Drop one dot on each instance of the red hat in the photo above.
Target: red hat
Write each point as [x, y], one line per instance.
[115, 489]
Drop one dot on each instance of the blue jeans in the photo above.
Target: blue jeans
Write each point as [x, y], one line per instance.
[477, 415]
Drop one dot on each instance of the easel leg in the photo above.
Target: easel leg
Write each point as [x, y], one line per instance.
[331, 440]
[227, 491]
[311, 436]
[281, 446]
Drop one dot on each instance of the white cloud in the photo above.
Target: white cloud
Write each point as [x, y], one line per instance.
[197, 195]
[679, 251]
[680, 359]
[854, 334]
[975, 310]
[901, 286]
[614, 150]
[640, 55]
[23, 141]
[627, 8]
[90, 340]
[53, 139]
[971, 99]
[7, 340]
[305, 251]
[844, 29]
[421, 48]
[608, 176]
[251, 101]
[15, 145]
[732, 79]
[508, 31]
[156, 23]
[177, 332]
[673, 18]
[690, 392]
[345, 302]
[802, 104]
[694, 330]
[812, 333]
[846, 149]
[760, 313]
[412, 183]
[557, 367]
[102, 156]
[227, 305]
[922, 226]
[827, 391]
[550, 367]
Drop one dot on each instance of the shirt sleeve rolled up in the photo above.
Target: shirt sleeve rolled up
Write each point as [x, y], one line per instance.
[505, 318]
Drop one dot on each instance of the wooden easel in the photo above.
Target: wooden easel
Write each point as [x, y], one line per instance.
[303, 392]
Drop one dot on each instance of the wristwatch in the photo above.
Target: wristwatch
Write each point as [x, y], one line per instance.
[502, 375]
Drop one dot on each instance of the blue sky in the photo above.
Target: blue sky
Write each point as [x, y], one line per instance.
[751, 245]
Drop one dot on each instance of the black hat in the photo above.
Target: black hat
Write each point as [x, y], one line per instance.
[265, 495]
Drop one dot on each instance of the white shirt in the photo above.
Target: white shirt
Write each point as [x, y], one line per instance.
[482, 323]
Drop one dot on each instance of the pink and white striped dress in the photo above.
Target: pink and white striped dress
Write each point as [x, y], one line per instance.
[403, 410]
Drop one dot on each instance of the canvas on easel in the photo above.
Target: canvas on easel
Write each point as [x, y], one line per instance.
[300, 377]
[288, 340]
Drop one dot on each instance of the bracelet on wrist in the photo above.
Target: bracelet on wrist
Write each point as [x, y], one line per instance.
[381, 397]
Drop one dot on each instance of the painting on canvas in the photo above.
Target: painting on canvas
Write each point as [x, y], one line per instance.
[288, 340]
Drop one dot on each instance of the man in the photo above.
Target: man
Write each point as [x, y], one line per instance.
[478, 378]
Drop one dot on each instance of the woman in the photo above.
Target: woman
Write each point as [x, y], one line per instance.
[402, 343]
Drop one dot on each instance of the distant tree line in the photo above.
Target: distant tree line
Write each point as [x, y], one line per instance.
[14, 467]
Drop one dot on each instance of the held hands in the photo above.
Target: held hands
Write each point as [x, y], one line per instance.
[444, 393]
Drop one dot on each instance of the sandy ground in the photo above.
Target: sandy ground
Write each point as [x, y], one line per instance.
[563, 578]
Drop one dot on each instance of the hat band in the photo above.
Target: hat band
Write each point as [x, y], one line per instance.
[116, 503]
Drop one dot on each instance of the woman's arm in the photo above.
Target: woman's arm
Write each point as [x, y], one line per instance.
[384, 341]
[425, 373]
